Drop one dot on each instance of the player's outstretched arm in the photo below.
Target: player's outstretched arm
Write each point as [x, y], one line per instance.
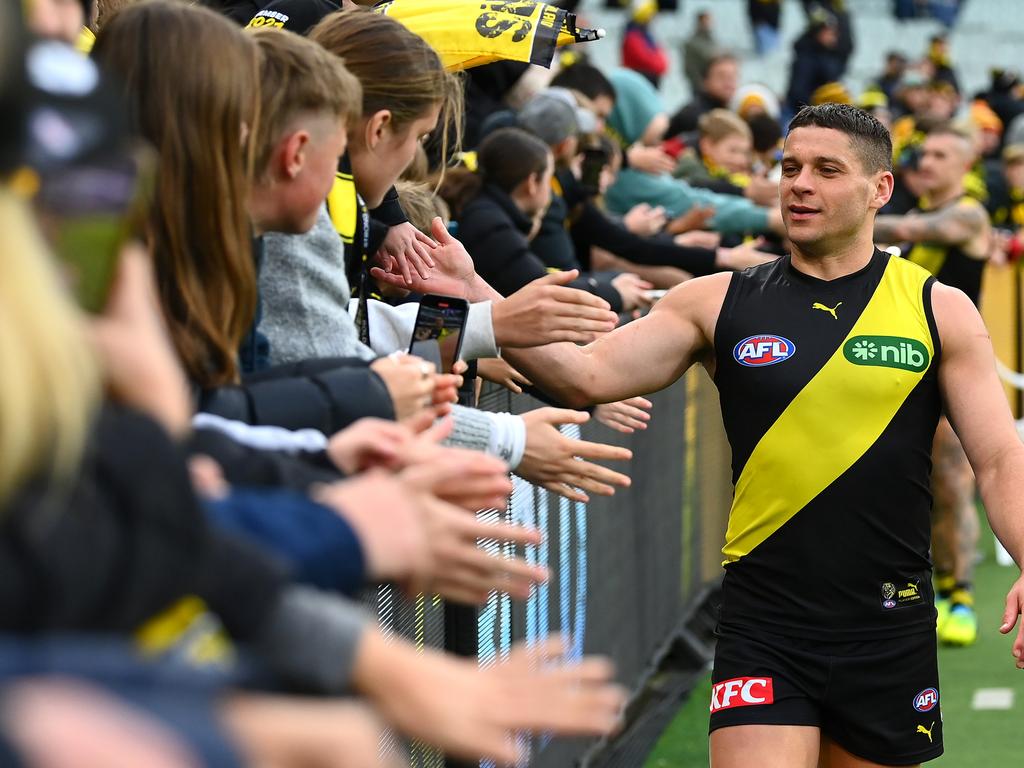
[636, 359]
[977, 408]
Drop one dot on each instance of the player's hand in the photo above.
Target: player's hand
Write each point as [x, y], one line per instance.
[452, 271]
[1014, 606]
[406, 250]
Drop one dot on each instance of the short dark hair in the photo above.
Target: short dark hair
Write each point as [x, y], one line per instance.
[585, 78]
[715, 60]
[509, 156]
[870, 139]
[765, 130]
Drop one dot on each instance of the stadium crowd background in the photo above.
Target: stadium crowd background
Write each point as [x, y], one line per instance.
[231, 443]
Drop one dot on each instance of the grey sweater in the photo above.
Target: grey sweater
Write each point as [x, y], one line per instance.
[305, 297]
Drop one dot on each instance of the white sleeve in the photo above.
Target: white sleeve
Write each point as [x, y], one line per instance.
[264, 437]
[508, 438]
[391, 328]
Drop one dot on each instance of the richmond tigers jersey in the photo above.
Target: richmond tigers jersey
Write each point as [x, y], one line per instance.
[830, 401]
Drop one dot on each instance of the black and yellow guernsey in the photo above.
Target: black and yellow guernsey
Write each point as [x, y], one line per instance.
[830, 400]
[948, 263]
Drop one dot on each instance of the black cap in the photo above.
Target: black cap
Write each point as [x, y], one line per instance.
[294, 15]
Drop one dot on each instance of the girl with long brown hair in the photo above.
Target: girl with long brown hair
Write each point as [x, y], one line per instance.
[191, 81]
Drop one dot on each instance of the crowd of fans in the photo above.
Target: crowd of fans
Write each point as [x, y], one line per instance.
[208, 457]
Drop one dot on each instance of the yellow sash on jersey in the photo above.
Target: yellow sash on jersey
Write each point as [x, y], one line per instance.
[833, 420]
[343, 206]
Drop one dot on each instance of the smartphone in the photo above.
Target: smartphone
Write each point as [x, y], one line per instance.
[594, 161]
[654, 294]
[437, 335]
[88, 211]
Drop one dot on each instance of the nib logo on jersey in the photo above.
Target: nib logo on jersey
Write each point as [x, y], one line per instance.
[887, 352]
[763, 349]
[741, 692]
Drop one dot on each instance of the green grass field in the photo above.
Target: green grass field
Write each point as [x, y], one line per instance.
[973, 738]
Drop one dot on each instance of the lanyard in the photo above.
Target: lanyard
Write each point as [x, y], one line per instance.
[362, 311]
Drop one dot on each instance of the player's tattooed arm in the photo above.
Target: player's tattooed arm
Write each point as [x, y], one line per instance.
[950, 226]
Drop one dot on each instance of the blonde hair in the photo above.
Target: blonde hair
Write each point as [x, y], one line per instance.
[398, 70]
[299, 76]
[720, 124]
[421, 205]
[50, 384]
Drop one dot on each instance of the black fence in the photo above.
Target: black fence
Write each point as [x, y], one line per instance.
[625, 571]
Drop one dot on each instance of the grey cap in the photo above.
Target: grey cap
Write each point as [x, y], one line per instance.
[553, 116]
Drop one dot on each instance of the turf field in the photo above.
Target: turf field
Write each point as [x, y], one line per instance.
[974, 737]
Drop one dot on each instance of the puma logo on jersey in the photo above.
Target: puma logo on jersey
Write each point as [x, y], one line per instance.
[830, 310]
[927, 731]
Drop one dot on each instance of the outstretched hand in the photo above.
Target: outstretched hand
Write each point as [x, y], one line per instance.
[626, 415]
[547, 310]
[450, 275]
[406, 251]
[557, 462]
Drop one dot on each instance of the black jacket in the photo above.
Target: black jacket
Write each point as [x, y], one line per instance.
[327, 395]
[495, 231]
[813, 66]
[590, 226]
[123, 542]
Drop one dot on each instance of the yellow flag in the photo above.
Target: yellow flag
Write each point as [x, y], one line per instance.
[468, 33]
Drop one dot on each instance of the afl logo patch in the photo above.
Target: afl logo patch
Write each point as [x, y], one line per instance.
[926, 700]
[763, 349]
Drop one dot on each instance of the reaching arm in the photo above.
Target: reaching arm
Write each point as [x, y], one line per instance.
[978, 411]
[952, 226]
[641, 357]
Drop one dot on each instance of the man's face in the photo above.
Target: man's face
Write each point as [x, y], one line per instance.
[944, 160]
[722, 80]
[825, 193]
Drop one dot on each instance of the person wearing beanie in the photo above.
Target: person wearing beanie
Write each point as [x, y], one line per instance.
[640, 51]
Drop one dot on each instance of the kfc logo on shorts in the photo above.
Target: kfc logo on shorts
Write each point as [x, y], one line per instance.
[926, 700]
[741, 692]
[763, 349]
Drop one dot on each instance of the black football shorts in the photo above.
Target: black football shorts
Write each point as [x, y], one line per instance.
[878, 699]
